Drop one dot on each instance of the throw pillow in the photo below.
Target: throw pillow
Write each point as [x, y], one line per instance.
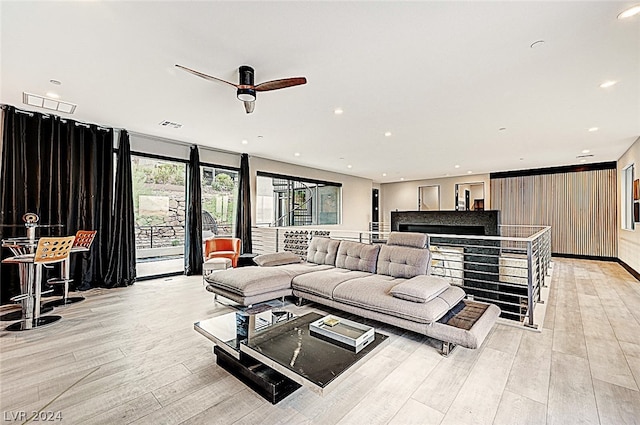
[277, 259]
[420, 289]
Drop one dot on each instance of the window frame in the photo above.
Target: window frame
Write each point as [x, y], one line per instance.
[315, 213]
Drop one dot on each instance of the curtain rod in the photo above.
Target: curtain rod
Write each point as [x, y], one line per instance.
[64, 120]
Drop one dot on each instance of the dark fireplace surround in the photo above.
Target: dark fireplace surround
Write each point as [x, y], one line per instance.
[478, 223]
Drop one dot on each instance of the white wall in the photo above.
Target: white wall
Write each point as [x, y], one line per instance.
[629, 240]
[170, 148]
[403, 196]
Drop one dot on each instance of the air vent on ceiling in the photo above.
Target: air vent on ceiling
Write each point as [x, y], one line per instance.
[170, 124]
[47, 103]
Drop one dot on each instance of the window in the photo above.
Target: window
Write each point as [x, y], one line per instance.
[293, 201]
[219, 187]
[627, 198]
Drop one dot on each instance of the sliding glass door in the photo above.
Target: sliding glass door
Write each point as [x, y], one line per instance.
[159, 203]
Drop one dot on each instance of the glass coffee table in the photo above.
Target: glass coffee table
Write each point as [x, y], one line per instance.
[279, 354]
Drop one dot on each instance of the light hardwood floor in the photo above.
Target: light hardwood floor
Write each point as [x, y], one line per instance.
[130, 355]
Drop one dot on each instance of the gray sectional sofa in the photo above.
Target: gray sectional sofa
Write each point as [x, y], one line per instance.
[388, 283]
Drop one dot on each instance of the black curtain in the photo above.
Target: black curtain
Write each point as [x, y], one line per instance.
[62, 171]
[243, 219]
[122, 250]
[193, 230]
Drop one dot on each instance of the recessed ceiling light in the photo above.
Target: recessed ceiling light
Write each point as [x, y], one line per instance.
[401, 179]
[338, 111]
[56, 82]
[536, 43]
[608, 84]
[632, 11]
[384, 174]
[469, 172]
[583, 160]
[296, 154]
[586, 151]
[349, 166]
[52, 95]
[592, 129]
[245, 142]
[502, 128]
[387, 134]
[456, 166]
[260, 137]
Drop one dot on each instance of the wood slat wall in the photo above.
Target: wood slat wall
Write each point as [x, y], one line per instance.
[580, 207]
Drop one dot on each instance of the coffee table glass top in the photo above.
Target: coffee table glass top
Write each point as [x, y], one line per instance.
[292, 350]
[223, 330]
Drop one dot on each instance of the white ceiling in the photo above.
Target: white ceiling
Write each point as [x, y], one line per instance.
[442, 77]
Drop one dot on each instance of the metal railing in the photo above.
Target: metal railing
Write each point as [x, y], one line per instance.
[162, 236]
[159, 236]
[509, 270]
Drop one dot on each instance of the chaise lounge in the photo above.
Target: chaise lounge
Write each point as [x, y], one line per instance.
[388, 283]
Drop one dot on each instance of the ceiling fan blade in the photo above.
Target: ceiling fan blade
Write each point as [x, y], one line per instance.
[249, 106]
[205, 76]
[281, 84]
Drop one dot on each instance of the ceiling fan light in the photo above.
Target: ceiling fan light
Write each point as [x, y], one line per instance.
[246, 95]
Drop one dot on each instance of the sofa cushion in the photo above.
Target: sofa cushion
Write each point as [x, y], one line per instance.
[254, 280]
[322, 251]
[372, 293]
[357, 256]
[322, 283]
[420, 289]
[415, 240]
[402, 261]
[277, 259]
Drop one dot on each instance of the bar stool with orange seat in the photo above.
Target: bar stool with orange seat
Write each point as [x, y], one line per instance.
[49, 250]
[223, 248]
[81, 243]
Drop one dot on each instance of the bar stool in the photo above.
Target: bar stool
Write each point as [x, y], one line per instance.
[81, 243]
[48, 251]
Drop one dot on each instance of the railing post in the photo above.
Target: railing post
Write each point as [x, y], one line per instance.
[151, 236]
[277, 241]
[530, 303]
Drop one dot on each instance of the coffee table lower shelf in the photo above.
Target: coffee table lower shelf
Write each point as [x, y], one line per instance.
[268, 383]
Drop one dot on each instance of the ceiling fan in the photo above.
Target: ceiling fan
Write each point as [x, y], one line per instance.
[246, 89]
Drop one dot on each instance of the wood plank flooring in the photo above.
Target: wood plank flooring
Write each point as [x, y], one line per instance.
[131, 356]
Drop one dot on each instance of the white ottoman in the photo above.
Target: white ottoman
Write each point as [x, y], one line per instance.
[214, 264]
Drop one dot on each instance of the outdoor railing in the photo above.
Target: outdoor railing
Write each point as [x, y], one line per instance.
[159, 236]
[163, 236]
[508, 270]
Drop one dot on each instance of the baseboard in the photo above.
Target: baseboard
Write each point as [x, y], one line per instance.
[585, 257]
[630, 269]
[158, 276]
[627, 267]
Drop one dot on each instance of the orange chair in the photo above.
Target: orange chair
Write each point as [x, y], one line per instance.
[223, 248]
